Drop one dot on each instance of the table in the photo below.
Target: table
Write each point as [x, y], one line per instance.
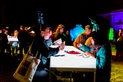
[12, 39]
[69, 62]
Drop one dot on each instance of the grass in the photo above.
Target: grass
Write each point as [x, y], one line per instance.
[117, 72]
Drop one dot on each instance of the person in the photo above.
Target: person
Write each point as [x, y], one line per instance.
[102, 53]
[60, 33]
[90, 42]
[5, 42]
[119, 48]
[69, 40]
[81, 39]
[15, 44]
[23, 37]
[42, 43]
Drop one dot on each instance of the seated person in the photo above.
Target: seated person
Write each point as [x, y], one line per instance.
[81, 39]
[41, 44]
[102, 53]
[90, 42]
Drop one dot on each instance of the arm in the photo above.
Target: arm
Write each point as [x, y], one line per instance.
[52, 51]
[85, 48]
[78, 40]
[89, 42]
[101, 58]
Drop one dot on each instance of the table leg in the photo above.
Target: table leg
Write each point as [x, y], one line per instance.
[94, 76]
[50, 76]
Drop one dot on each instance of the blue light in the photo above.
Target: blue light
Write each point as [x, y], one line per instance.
[40, 18]
[76, 31]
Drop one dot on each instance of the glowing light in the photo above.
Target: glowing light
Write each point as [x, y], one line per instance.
[32, 32]
[40, 18]
[111, 34]
[76, 31]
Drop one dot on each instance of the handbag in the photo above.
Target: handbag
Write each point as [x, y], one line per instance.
[27, 67]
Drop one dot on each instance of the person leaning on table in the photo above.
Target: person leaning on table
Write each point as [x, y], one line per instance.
[41, 44]
[102, 53]
[81, 39]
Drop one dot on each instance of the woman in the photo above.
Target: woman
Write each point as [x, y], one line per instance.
[102, 53]
[59, 34]
[15, 45]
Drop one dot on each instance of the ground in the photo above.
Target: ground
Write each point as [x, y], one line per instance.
[9, 64]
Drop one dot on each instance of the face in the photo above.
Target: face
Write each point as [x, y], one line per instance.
[0, 31]
[7, 27]
[47, 32]
[6, 32]
[88, 31]
[120, 31]
[42, 33]
[21, 27]
[61, 30]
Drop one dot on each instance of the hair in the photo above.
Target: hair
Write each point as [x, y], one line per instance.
[45, 27]
[99, 38]
[88, 26]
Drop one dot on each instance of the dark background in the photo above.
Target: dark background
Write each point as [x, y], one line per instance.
[16, 12]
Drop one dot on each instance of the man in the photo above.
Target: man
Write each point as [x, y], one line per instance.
[42, 44]
[81, 39]
[5, 44]
[23, 38]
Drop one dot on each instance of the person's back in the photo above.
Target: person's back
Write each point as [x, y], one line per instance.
[23, 36]
[103, 63]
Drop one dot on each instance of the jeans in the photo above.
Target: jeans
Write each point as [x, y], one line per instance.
[43, 76]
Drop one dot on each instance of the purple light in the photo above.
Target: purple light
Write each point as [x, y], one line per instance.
[116, 19]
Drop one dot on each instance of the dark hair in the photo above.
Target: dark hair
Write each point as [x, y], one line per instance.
[36, 28]
[45, 27]
[99, 38]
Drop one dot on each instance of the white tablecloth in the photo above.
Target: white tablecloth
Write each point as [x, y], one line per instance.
[72, 60]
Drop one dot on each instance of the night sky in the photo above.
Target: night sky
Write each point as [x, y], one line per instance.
[18, 12]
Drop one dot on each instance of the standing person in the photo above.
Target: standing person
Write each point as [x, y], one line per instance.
[5, 42]
[23, 37]
[15, 44]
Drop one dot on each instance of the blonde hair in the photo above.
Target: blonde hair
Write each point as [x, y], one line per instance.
[16, 32]
[58, 29]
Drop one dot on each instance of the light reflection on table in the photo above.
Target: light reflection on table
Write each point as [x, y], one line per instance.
[72, 62]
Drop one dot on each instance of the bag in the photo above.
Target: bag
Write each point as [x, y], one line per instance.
[27, 68]
[14, 44]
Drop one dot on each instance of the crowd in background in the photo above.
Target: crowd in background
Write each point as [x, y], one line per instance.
[25, 37]
[93, 42]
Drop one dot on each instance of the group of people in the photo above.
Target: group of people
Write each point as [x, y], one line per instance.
[93, 42]
[12, 47]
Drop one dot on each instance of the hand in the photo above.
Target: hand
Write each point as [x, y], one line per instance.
[79, 45]
[61, 47]
[56, 43]
[90, 54]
